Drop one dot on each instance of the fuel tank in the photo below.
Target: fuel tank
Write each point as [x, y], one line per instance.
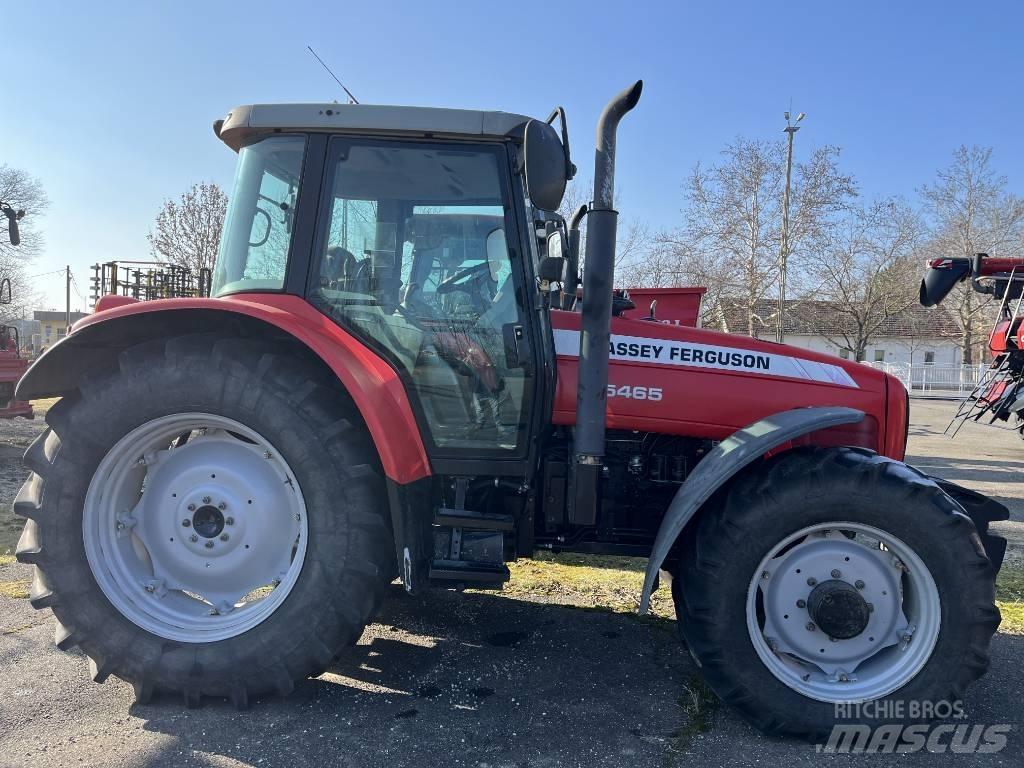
[678, 380]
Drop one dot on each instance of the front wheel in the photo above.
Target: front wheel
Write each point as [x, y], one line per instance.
[206, 519]
[833, 577]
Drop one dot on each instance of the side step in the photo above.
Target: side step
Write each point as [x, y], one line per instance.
[468, 571]
[477, 521]
[469, 546]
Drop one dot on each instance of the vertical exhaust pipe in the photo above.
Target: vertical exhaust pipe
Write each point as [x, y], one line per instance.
[595, 324]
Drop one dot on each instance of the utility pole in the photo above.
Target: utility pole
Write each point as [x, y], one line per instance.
[790, 129]
[67, 310]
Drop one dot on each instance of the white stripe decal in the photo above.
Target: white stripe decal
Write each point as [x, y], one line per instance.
[641, 349]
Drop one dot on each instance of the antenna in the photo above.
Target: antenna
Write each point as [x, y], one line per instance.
[351, 98]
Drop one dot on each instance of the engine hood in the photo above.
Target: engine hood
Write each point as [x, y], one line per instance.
[675, 379]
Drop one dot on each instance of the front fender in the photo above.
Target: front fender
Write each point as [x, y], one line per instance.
[729, 457]
[96, 341]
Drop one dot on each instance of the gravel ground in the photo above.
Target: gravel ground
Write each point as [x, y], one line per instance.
[478, 679]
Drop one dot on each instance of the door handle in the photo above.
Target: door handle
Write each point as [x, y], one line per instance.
[513, 336]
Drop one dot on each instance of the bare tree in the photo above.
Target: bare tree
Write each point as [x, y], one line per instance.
[867, 272]
[20, 191]
[732, 218]
[187, 231]
[970, 211]
[633, 240]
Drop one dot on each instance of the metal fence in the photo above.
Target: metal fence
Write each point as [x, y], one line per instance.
[929, 380]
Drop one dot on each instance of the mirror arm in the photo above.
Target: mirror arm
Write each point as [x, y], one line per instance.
[559, 112]
[572, 281]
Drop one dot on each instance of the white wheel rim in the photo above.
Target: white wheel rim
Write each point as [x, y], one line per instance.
[901, 631]
[196, 538]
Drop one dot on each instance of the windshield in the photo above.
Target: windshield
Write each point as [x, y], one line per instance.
[258, 228]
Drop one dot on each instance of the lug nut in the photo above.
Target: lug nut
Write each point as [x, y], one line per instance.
[191, 507]
[844, 678]
[120, 525]
[835, 573]
[229, 521]
[224, 537]
[810, 626]
[151, 588]
[811, 581]
[186, 523]
[858, 584]
[206, 499]
[193, 538]
[267, 455]
[208, 545]
[765, 575]
[222, 506]
[801, 603]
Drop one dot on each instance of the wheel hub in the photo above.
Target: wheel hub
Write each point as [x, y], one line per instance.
[194, 539]
[208, 521]
[838, 609]
[843, 612]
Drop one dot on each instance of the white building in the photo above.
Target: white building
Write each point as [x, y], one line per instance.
[916, 335]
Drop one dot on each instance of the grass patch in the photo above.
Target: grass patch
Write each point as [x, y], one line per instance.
[10, 532]
[698, 704]
[1010, 599]
[40, 407]
[17, 589]
[599, 581]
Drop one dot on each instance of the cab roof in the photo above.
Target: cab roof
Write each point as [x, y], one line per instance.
[422, 122]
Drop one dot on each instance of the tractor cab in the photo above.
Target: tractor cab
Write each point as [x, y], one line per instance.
[412, 230]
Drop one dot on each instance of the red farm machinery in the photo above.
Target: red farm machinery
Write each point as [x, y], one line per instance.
[397, 376]
[998, 398]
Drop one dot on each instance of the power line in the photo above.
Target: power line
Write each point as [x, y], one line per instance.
[44, 274]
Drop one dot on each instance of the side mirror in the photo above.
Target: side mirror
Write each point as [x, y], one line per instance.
[553, 266]
[12, 223]
[555, 246]
[545, 165]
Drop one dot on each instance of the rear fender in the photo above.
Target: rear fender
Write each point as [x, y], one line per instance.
[97, 340]
[727, 458]
[982, 510]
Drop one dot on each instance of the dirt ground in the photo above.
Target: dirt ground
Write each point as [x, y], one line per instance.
[556, 670]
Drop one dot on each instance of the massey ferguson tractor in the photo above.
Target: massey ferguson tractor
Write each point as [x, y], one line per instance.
[998, 398]
[396, 378]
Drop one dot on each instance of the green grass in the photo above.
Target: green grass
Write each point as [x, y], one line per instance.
[599, 581]
[1010, 598]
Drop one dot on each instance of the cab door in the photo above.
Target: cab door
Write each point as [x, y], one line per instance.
[418, 254]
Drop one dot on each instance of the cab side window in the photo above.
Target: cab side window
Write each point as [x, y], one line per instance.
[415, 260]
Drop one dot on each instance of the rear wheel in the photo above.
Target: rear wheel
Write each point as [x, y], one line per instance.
[830, 577]
[207, 519]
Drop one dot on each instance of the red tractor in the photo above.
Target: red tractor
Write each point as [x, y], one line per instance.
[12, 367]
[12, 364]
[998, 397]
[397, 378]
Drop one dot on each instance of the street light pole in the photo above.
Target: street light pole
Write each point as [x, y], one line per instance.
[790, 129]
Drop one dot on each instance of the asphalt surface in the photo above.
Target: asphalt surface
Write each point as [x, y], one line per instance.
[477, 680]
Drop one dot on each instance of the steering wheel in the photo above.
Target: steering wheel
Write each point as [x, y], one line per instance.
[458, 281]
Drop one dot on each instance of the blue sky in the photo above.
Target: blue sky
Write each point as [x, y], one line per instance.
[110, 104]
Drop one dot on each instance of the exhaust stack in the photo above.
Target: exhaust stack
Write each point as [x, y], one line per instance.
[595, 324]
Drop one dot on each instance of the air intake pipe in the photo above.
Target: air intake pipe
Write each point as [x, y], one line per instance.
[595, 323]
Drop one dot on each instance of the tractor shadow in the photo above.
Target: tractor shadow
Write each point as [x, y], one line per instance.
[496, 673]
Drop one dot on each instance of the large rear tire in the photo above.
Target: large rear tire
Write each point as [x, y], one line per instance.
[835, 576]
[207, 519]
